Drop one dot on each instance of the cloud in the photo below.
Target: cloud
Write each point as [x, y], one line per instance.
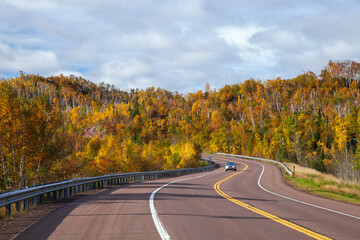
[341, 50]
[239, 36]
[36, 61]
[178, 45]
[139, 40]
[252, 54]
[34, 5]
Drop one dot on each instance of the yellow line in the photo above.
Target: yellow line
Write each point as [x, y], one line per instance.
[263, 213]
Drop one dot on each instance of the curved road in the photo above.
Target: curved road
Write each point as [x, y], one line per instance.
[212, 205]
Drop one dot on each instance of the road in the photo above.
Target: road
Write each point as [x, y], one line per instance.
[212, 205]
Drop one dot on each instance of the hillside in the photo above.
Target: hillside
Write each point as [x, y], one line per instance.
[61, 127]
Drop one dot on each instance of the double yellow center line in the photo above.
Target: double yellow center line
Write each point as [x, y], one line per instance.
[263, 213]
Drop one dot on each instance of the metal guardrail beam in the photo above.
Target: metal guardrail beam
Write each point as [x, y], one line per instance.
[259, 159]
[55, 191]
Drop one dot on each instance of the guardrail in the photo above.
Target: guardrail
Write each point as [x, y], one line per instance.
[55, 191]
[259, 159]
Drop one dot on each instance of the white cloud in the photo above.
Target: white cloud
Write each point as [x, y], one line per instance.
[15, 59]
[340, 50]
[122, 71]
[239, 36]
[66, 72]
[32, 5]
[140, 41]
[248, 50]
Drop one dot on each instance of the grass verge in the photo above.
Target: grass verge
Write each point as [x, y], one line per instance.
[325, 185]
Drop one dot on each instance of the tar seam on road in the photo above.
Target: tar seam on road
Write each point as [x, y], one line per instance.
[158, 224]
[263, 213]
[298, 201]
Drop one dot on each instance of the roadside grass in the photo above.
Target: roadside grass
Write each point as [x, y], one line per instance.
[325, 185]
[204, 164]
[2, 213]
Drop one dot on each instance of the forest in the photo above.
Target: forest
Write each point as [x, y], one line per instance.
[63, 127]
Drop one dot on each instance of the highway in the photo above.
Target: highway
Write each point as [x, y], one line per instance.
[251, 203]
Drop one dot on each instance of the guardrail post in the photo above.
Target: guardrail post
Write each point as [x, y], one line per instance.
[48, 195]
[8, 210]
[26, 204]
[70, 191]
[33, 202]
[17, 206]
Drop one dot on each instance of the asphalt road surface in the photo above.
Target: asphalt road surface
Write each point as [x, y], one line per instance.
[250, 203]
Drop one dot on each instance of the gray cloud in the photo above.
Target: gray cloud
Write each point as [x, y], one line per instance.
[178, 45]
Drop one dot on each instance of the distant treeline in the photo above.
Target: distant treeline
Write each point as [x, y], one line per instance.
[60, 127]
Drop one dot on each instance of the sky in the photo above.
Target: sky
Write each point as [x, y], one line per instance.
[179, 45]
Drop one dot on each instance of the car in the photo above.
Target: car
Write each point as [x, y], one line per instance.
[230, 166]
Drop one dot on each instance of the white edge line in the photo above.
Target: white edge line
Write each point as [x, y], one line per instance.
[158, 224]
[295, 200]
